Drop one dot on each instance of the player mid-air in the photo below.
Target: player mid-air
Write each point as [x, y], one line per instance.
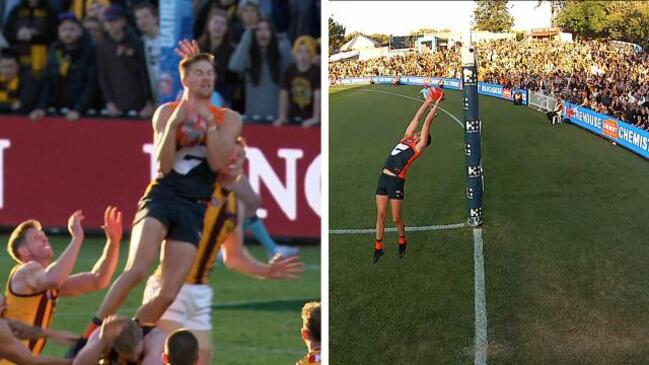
[393, 177]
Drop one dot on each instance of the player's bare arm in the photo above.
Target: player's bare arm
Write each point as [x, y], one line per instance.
[13, 350]
[100, 342]
[33, 278]
[24, 331]
[165, 123]
[414, 123]
[101, 274]
[425, 129]
[154, 347]
[221, 140]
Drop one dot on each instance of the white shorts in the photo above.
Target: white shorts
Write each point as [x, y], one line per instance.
[192, 307]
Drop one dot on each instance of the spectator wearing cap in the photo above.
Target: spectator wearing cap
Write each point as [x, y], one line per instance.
[69, 82]
[146, 18]
[262, 57]
[122, 68]
[248, 15]
[17, 87]
[30, 28]
[215, 40]
[299, 100]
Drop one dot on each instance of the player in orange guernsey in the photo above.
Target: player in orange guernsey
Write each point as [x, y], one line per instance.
[392, 181]
[35, 283]
[174, 204]
[311, 333]
[192, 308]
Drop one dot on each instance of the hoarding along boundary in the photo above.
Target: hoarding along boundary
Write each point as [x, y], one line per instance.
[623, 134]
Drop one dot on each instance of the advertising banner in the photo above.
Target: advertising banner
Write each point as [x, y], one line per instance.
[51, 168]
[624, 134]
[176, 21]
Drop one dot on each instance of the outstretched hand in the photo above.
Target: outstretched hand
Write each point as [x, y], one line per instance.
[113, 224]
[187, 48]
[285, 267]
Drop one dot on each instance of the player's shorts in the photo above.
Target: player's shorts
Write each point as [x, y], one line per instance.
[192, 307]
[392, 186]
[183, 218]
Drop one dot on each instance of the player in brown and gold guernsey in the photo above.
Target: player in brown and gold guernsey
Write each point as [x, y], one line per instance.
[390, 187]
[34, 283]
[192, 308]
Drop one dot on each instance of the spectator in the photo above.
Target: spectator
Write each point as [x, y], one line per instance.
[17, 87]
[181, 348]
[518, 97]
[30, 28]
[122, 68]
[70, 78]
[215, 40]
[263, 61]
[94, 27]
[299, 99]
[302, 20]
[248, 16]
[146, 18]
[557, 113]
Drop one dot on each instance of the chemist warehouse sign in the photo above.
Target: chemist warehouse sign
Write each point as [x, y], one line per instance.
[624, 134]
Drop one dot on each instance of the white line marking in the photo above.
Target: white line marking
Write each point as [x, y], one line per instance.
[413, 98]
[393, 229]
[480, 300]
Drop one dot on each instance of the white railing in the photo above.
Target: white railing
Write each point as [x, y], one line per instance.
[541, 101]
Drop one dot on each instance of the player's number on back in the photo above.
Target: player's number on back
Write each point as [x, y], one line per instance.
[398, 149]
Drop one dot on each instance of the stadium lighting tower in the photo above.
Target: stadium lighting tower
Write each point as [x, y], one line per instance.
[472, 132]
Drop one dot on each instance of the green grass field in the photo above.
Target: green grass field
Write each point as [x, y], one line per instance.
[255, 321]
[565, 240]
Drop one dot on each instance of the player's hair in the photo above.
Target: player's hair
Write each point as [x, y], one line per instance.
[181, 348]
[19, 236]
[146, 5]
[311, 320]
[187, 62]
[272, 56]
[305, 40]
[428, 141]
[129, 339]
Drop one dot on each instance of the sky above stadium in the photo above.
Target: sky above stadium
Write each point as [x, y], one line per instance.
[402, 17]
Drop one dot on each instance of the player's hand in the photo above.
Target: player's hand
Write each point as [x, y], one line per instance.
[111, 329]
[64, 338]
[113, 225]
[37, 114]
[285, 267]
[3, 304]
[181, 113]
[187, 48]
[74, 224]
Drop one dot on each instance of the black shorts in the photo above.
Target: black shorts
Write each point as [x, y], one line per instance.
[182, 218]
[392, 186]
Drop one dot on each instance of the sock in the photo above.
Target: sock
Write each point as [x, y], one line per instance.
[402, 240]
[96, 323]
[259, 231]
[378, 244]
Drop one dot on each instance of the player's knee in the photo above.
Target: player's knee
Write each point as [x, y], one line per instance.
[380, 216]
[397, 220]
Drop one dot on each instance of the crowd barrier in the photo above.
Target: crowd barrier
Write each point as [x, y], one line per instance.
[50, 168]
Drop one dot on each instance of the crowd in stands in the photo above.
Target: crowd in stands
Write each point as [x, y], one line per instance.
[102, 57]
[595, 74]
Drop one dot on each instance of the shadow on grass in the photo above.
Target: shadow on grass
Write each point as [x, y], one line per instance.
[286, 305]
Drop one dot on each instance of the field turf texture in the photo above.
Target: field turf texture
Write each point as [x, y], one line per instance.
[565, 240]
[255, 321]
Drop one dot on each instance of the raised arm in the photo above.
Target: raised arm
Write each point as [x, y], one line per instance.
[240, 57]
[101, 274]
[425, 129]
[414, 123]
[221, 140]
[165, 123]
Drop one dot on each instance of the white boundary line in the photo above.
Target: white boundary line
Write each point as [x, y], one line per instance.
[393, 229]
[413, 98]
[480, 300]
